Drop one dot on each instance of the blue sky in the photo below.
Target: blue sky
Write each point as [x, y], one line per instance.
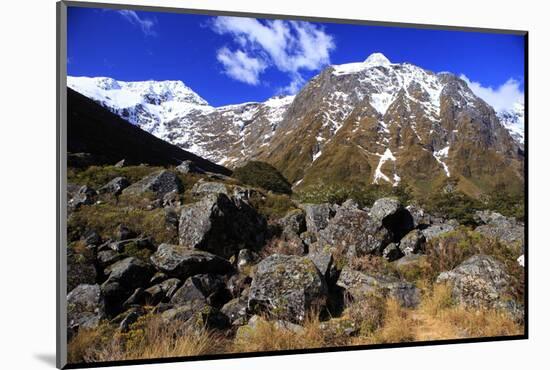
[230, 60]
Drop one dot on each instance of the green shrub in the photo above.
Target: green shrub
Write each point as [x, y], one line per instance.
[506, 203]
[272, 206]
[365, 196]
[133, 250]
[263, 175]
[454, 204]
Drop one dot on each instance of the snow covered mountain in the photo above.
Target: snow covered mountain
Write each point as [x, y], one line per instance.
[373, 122]
[173, 112]
[514, 121]
[379, 122]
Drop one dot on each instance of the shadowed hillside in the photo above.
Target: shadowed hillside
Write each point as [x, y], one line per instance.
[108, 138]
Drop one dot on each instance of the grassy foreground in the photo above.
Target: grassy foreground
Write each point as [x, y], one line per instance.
[436, 318]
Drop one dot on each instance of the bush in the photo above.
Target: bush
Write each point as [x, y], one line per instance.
[507, 204]
[263, 175]
[365, 196]
[272, 206]
[455, 205]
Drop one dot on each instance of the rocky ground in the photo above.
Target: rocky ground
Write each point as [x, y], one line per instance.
[179, 261]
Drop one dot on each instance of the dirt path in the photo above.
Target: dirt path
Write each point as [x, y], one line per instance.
[431, 328]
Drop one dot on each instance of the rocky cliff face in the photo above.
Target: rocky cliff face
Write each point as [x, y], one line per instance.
[382, 123]
[372, 122]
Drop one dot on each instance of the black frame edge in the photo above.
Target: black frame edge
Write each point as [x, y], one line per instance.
[61, 362]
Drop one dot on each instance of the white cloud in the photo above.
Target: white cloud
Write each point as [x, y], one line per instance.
[289, 46]
[145, 24]
[501, 98]
[240, 66]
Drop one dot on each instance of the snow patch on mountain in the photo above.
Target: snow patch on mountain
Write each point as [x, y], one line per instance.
[513, 120]
[439, 156]
[378, 174]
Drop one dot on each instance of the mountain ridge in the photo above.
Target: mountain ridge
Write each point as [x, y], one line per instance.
[382, 107]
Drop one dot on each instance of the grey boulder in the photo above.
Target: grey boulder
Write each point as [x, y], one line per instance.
[359, 285]
[189, 167]
[437, 229]
[480, 282]
[202, 188]
[505, 229]
[412, 243]
[181, 262]
[352, 229]
[115, 186]
[158, 183]
[317, 216]
[287, 287]
[218, 225]
[84, 308]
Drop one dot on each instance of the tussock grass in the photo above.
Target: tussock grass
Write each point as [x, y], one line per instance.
[268, 336]
[272, 205]
[456, 321]
[397, 327]
[149, 337]
[481, 323]
[451, 249]
[97, 176]
[105, 218]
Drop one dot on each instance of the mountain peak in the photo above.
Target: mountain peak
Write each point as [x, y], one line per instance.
[377, 59]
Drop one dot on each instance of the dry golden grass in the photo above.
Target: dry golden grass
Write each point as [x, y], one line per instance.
[383, 321]
[436, 301]
[148, 338]
[449, 321]
[398, 325]
[268, 336]
[481, 323]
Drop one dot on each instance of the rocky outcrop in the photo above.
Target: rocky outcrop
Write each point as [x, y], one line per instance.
[218, 225]
[189, 167]
[236, 311]
[84, 308]
[293, 223]
[421, 218]
[115, 186]
[287, 287]
[354, 232]
[480, 281]
[202, 188]
[438, 229]
[359, 285]
[209, 289]
[84, 196]
[317, 216]
[412, 243]
[393, 216]
[505, 229]
[123, 278]
[158, 184]
[162, 292]
[182, 262]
